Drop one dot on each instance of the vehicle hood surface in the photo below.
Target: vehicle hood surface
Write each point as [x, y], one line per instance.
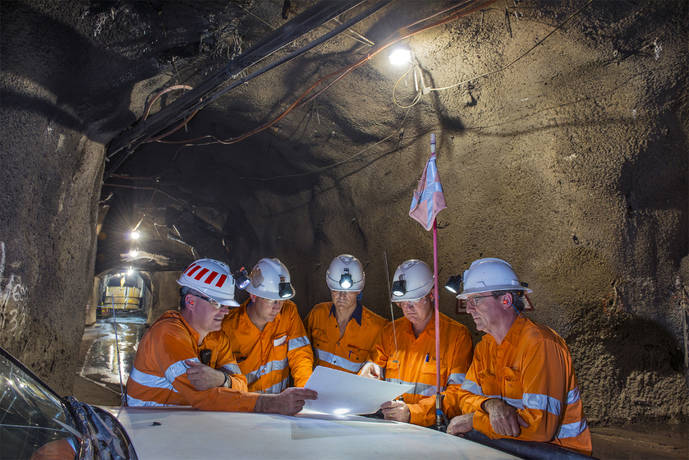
[188, 433]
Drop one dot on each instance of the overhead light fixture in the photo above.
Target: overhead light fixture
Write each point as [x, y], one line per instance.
[285, 288]
[346, 279]
[133, 253]
[400, 56]
[399, 287]
[134, 235]
[454, 284]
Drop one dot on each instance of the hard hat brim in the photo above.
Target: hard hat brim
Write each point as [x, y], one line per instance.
[467, 292]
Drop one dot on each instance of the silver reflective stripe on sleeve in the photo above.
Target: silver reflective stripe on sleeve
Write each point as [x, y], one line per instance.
[422, 389]
[266, 368]
[541, 402]
[133, 402]
[571, 430]
[151, 381]
[297, 342]
[178, 368]
[456, 379]
[337, 360]
[277, 388]
[232, 368]
[573, 396]
[472, 387]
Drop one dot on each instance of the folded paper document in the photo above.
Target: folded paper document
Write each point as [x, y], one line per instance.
[344, 393]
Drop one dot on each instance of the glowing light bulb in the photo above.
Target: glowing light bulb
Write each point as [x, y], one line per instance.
[134, 235]
[400, 57]
[133, 253]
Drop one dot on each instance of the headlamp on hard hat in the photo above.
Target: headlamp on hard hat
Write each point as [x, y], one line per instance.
[454, 284]
[346, 279]
[285, 288]
[241, 278]
[399, 287]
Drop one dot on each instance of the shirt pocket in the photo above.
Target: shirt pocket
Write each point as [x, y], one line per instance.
[513, 383]
[319, 338]
[488, 383]
[279, 342]
[392, 369]
[356, 354]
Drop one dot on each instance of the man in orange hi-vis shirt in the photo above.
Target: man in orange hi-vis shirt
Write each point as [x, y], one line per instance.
[184, 359]
[343, 331]
[521, 383]
[268, 337]
[410, 357]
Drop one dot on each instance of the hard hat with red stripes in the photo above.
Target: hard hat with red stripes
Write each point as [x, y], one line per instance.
[211, 278]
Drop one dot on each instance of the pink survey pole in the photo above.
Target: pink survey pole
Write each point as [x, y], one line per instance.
[437, 313]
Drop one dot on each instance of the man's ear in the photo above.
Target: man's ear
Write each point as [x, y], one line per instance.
[507, 301]
[253, 298]
[189, 301]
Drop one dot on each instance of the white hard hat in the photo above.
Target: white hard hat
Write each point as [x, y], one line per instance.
[413, 279]
[270, 279]
[490, 274]
[345, 274]
[211, 278]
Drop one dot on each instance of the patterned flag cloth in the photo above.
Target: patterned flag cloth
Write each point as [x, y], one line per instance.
[428, 199]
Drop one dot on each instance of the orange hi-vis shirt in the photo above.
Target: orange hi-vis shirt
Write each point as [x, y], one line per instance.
[532, 371]
[159, 378]
[414, 362]
[344, 352]
[267, 357]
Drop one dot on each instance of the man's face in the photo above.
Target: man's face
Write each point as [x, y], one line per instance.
[343, 299]
[206, 316]
[416, 311]
[266, 309]
[484, 309]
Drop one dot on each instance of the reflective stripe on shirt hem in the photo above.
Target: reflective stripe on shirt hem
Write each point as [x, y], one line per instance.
[422, 389]
[232, 368]
[266, 368]
[297, 342]
[572, 430]
[133, 402]
[337, 360]
[277, 388]
[456, 379]
[151, 381]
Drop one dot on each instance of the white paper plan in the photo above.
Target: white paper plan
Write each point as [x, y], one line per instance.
[342, 393]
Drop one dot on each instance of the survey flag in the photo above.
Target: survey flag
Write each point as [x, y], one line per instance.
[428, 199]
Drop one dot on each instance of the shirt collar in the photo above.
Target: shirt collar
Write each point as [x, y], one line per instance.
[356, 314]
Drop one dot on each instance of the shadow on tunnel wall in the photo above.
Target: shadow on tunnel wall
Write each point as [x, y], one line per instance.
[628, 368]
[85, 82]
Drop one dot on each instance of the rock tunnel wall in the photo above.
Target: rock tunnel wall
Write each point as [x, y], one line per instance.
[572, 163]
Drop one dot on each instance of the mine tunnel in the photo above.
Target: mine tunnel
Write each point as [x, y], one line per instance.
[138, 137]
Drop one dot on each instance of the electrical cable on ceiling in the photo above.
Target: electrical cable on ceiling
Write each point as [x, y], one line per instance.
[302, 99]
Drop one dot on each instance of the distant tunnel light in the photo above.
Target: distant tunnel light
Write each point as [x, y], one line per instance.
[400, 56]
[340, 411]
[130, 272]
[134, 235]
[133, 253]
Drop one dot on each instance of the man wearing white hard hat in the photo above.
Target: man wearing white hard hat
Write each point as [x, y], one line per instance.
[268, 337]
[343, 331]
[411, 358]
[521, 383]
[184, 359]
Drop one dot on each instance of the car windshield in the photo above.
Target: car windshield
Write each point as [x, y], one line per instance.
[32, 417]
